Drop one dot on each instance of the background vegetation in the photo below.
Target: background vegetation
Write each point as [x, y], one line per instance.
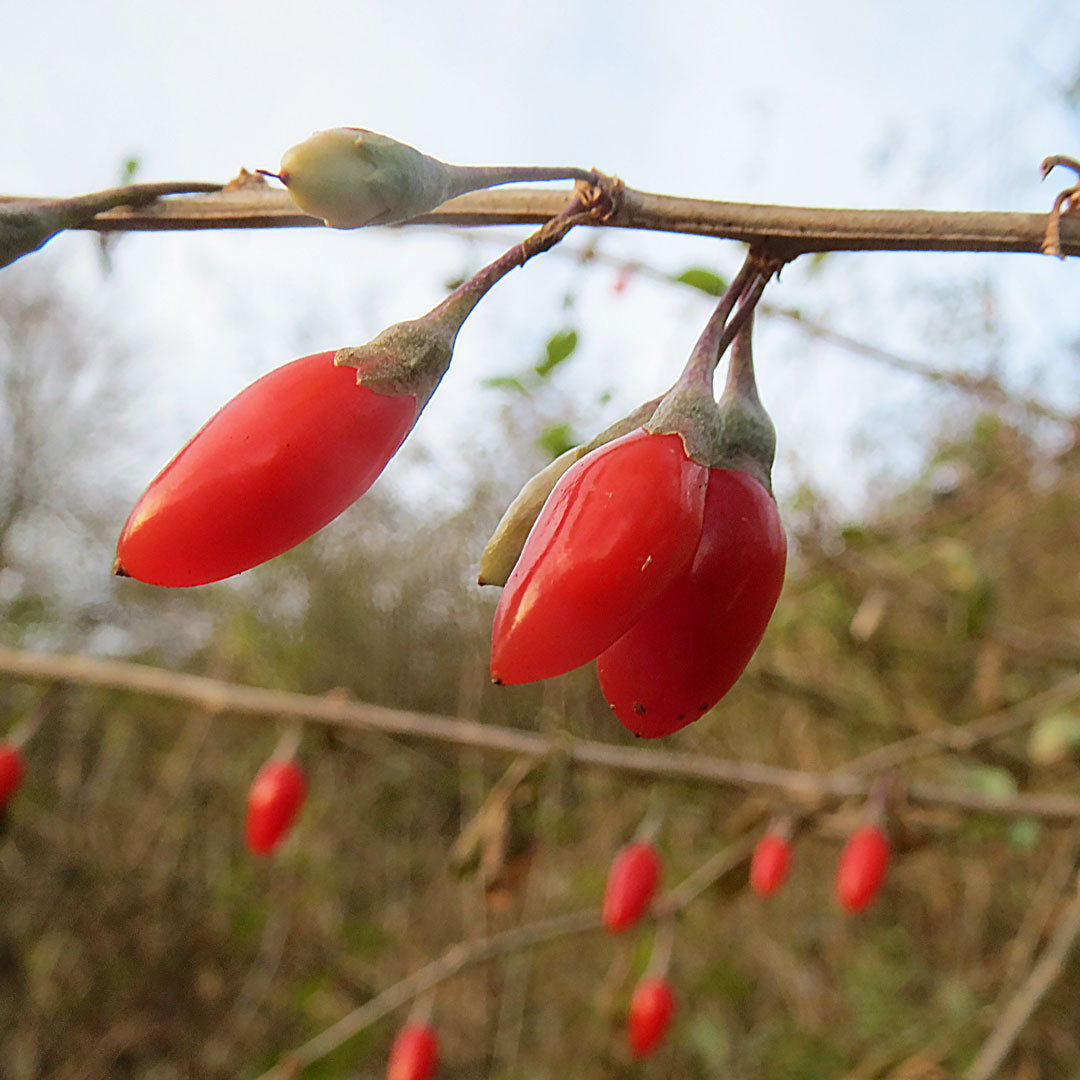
[140, 939]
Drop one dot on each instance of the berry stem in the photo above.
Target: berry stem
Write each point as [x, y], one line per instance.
[289, 742]
[474, 177]
[590, 203]
[663, 944]
[745, 290]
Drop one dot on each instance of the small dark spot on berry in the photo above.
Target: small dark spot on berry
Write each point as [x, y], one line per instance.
[703, 708]
[496, 680]
[681, 716]
[639, 708]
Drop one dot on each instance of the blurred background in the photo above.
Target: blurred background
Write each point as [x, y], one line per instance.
[933, 527]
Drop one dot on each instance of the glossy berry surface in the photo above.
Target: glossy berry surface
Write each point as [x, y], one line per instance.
[618, 528]
[684, 653]
[274, 800]
[415, 1053]
[652, 1008]
[863, 867]
[769, 864]
[632, 880]
[12, 771]
[272, 467]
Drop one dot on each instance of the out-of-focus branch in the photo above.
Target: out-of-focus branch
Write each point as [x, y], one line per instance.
[1047, 970]
[964, 737]
[783, 231]
[216, 696]
[456, 959]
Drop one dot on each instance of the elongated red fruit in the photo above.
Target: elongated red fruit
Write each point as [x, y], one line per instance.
[632, 881]
[268, 470]
[770, 864]
[684, 653]
[274, 800]
[652, 1008]
[863, 867]
[415, 1053]
[12, 770]
[618, 528]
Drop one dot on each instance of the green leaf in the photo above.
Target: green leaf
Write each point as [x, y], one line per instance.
[559, 347]
[506, 382]
[557, 439]
[1024, 834]
[990, 780]
[697, 277]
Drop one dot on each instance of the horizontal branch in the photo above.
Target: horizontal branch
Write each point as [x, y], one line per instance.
[217, 696]
[785, 231]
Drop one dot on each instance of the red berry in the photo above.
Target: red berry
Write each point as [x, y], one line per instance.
[632, 880]
[272, 467]
[770, 864]
[652, 1007]
[12, 770]
[863, 866]
[684, 653]
[415, 1053]
[618, 528]
[274, 800]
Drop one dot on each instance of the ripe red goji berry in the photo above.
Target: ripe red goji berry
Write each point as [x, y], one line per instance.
[685, 652]
[618, 528]
[12, 771]
[272, 467]
[863, 867]
[632, 880]
[274, 800]
[769, 864]
[652, 1008]
[414, 1054]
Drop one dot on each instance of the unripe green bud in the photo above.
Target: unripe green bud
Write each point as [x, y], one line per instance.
[351, 177]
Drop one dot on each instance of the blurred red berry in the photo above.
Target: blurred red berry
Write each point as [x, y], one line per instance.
[274, 800]
[632, 881]
[12, 770]
[415, 1053]
[652, 1007]
[770, 864]
[863, 866]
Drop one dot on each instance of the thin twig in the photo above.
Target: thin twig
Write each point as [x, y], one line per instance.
[1043, 975]
[814, 788]
[456, 959]
[784, 231]
[966, 737]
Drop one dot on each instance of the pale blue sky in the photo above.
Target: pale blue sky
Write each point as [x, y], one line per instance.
[834, 103]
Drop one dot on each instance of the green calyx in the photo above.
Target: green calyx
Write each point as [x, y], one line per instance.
[503, 550]
[734, 433]
[408, 358]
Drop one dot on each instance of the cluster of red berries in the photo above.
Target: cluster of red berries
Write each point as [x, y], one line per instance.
[860, 872]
